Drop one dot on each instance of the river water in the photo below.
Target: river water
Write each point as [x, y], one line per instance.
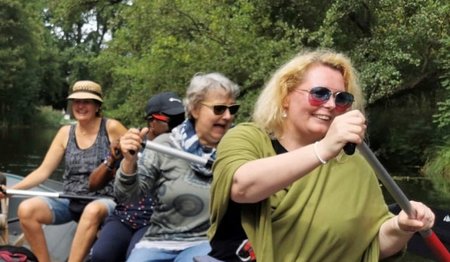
[23, 149]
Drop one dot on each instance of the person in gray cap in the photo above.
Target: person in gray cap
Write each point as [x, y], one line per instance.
[164, 111]
[129, 221]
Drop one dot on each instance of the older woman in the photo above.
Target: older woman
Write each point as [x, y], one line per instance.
[177, 229]
[284, 184]
[83, 146]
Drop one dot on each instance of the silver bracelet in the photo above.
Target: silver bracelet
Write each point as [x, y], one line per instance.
[317, 155]
[110, 168]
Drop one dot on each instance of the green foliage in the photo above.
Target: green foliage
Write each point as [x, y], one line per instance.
[47, 117]
[166, 42]
[438, 169]
[442, 117]
[403, 47]
[19, 52]
[400, 134]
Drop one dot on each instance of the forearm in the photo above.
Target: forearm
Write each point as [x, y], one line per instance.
[125, 184]
[100, 177]
[130, 185]
[128, 166]
[392, 239]
[33, 179]
[259, 179]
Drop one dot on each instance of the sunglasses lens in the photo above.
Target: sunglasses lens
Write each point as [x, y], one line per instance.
[343, 100]
[319, 95]
[219, 109]
[234, 109]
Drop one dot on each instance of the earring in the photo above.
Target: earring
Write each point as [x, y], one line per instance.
[284, 114]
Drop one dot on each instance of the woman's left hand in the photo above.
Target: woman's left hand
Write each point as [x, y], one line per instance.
[422, 218]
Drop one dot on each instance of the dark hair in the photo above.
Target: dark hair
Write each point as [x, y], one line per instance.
[175, 120]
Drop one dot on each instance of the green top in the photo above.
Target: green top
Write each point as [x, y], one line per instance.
[332, 214]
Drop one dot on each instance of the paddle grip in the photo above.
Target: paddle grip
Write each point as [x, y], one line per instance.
[349, 148]
[132, 152]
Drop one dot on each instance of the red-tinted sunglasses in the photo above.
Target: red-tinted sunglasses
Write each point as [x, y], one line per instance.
[320, 95]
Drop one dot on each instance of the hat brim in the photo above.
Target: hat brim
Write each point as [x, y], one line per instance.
[85, 95]
[174, 111]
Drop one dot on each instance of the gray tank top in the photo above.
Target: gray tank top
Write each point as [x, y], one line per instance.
[79, 163]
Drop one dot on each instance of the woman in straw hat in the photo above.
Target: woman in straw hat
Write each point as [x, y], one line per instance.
[83, 145]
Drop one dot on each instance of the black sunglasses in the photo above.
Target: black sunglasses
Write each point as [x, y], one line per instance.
[220, 109]
[320, 95]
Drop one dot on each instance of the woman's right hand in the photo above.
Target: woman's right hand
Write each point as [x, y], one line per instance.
[131, 142]
[348, 127]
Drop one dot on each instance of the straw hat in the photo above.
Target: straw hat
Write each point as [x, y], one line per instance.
[86, 90]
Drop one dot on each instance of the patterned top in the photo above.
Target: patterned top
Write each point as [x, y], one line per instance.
[135, 214]
[79, 163]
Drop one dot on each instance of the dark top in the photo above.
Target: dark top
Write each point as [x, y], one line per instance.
[230, 234]
[79, 163]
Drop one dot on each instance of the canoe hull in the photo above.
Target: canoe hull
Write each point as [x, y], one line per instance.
[59, 237]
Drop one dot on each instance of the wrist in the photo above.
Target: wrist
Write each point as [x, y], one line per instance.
[317, 153]
[109, 164]
[128, 167]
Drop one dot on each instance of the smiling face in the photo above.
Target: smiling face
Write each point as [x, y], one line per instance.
[210, 128]
[306, 122]
[84, 109]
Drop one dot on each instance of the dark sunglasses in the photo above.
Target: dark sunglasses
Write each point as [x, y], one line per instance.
[220, 109]
[320, 95]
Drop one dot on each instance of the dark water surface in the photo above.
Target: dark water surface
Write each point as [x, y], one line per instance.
[23, 149]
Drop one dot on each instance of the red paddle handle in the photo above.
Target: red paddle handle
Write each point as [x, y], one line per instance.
[433, 242]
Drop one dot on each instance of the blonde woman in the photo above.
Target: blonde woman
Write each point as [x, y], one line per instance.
[283, 190]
